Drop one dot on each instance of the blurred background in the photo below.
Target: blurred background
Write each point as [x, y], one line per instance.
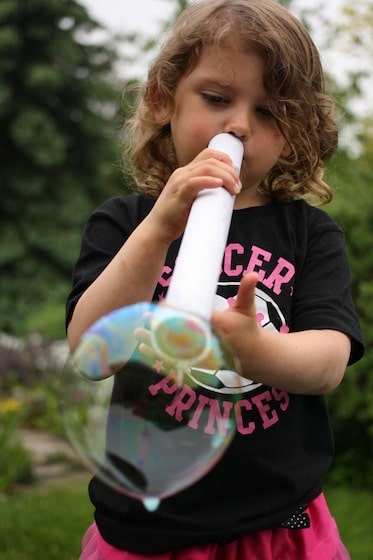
[64, 67]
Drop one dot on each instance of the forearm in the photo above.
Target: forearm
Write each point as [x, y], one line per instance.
[307, 362]
[130, 277]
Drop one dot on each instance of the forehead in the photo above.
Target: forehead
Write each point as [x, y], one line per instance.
[231, 63]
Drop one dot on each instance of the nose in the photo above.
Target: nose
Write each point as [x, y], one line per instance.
[239, 125]
[239, 131]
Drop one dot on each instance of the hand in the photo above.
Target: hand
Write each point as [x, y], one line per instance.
[238, 324]
[210, 169]
[148, 354]
[310, 362]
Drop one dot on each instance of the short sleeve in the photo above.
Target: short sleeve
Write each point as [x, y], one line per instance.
[322, 294]
[104, 233]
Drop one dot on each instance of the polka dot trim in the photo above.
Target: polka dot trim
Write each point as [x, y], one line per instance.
[299, 519]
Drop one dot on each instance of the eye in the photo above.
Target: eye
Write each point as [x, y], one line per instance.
[214, 98]
[265, 112]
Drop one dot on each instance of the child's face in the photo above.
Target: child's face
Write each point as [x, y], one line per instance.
[225, 93]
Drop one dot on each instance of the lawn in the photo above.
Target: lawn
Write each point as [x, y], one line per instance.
[353, 511]
[49, 525]
[44, 526]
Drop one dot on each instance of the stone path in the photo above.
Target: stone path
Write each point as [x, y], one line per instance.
[53, 459]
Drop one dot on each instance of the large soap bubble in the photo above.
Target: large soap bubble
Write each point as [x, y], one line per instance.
[134, 415]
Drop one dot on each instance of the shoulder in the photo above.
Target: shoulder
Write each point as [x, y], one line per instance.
[299, 217]
[309, 223]
[115, 219]
[296, 213]
[120, 213]
[135, 205]
[297, 224]
[314, 217]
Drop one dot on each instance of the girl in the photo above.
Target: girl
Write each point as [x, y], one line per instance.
[248, 68]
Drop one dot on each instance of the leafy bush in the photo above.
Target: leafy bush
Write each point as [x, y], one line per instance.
[29, 397]
[15, 461]
[351, 406]
[31, 374]
[29, 362]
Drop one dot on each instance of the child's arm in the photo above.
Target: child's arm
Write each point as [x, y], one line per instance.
[306, 362]
[129, 277]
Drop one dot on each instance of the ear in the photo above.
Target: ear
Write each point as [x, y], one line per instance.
[159, 105]
[287, 150]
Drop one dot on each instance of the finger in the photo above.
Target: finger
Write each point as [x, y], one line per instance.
[142, 335]
[246, 293]
[211, 178]
[216, 158]
[147, 351]
[145, 346]
[216, 154]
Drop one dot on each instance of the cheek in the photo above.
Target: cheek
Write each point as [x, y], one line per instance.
[281, 148]
[188, 142]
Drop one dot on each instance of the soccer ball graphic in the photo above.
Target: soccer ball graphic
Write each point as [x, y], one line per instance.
[269, 316]
[222, 381]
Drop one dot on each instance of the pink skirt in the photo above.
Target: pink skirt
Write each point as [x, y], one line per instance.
[320, 542]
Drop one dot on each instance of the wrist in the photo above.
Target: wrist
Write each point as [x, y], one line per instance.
[157, 233]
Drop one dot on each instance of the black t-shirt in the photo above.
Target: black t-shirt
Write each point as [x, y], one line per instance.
[284, 442]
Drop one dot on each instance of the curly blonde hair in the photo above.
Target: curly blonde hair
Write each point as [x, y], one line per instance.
[293, 78]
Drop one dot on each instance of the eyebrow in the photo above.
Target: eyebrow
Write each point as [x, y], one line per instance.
[214, 74]
[210, 81]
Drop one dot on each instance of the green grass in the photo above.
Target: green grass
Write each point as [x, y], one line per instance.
[353, 511]
[50, 525]
[44, 526]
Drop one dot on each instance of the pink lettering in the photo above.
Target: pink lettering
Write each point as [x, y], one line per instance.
[216, 418]
[256, 261]
[241, 428]
[213, 415]
[165, 278]
[282, 274]
[182, 402]
[268, 416]
[282, 397]
[201, 404]
[230, 251]
[167, 384]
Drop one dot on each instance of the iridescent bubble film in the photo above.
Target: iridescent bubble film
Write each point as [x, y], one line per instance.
[134, 413]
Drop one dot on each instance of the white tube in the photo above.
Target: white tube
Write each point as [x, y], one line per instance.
[197, 269]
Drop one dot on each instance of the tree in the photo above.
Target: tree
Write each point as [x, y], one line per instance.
[350, 173]
[352, 404]
[58, 149]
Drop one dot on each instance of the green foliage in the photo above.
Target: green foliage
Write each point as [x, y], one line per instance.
[15, 461]
[352, 404]
[48, 319]
[32, 375]
[58, 147]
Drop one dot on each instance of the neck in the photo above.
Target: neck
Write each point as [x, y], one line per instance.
[249, 198]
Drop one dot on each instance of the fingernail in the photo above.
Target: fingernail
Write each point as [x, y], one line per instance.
[238, 187]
